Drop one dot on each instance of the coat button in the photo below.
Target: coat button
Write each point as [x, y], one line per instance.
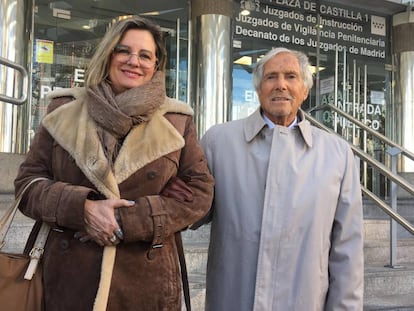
[64, 244]
[151, 175]
[151, 254]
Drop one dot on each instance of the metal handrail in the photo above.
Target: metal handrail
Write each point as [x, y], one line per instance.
[381, 137]
[23, 71]
[386, 208]
[375, 163]
[383, 169]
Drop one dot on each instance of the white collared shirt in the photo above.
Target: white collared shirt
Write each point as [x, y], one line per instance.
[271, 125]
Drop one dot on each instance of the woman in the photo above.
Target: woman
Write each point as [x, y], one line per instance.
[109, 150]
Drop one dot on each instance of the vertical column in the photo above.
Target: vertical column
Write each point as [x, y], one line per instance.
[15, 29]
[403, 29]
[211, 76]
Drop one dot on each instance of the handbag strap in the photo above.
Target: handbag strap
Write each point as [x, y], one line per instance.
[37, 250]
[41, 238]
[7, 218]
[183, 266]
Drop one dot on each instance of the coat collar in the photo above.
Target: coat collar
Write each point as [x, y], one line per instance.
[254, 124]
[144, 144]
[305, 128]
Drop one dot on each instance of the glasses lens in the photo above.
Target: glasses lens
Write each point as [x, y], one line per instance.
[122, 50]
[145, 61]
[124, 54]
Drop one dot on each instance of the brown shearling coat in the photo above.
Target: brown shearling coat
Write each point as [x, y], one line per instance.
[67, 150]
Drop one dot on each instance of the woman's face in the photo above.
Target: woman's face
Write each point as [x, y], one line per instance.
[133, 61]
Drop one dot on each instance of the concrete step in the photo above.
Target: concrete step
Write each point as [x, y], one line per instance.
[409, 177]
[202, 234]
[382, 281]
[376, 246]
[405, 207]
[9, 164]
[389, 288]
[196, 257]
[385, 289]
[379, 252]
[390, 303]
[18, 233]
[197, 283]
[196, 247]
[6, 200]
[377, 243]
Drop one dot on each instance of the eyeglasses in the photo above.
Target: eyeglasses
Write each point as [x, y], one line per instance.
[123, 53]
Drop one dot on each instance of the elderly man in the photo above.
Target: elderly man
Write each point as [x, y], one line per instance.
[287, 217]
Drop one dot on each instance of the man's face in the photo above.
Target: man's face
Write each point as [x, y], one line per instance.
[282, 89]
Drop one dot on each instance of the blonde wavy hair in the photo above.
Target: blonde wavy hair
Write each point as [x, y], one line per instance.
[98, 68]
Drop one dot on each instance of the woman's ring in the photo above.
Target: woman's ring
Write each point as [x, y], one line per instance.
[118, 232]
[112, 239]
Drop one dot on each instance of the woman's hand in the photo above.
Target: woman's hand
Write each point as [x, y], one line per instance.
[100, 222]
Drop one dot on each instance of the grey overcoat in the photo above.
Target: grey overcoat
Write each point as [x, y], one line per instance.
[287, 219]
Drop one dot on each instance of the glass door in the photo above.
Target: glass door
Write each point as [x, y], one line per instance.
[360, 88]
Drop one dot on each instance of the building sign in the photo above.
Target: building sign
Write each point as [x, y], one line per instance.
[297, 22]
[369, 113]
